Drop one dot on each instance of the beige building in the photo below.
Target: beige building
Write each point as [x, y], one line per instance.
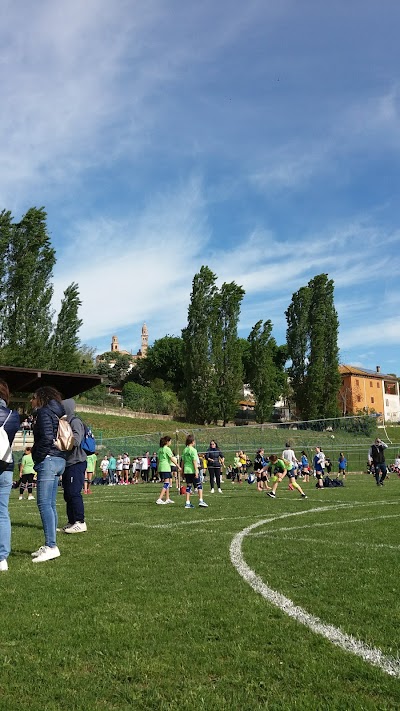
[142, 352]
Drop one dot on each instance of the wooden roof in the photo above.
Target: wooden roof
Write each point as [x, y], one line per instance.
[26, 380]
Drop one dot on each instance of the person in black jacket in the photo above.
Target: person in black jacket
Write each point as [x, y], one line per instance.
[11, 421]
[376, 456]
[49, 466]
[215, 459]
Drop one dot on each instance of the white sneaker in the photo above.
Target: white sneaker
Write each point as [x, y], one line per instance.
[220, 491]
[203, 504]
[31, 498]
[169, 501]
[40, 550]
[63, 528]
[160, 501]
[47, 554]
[77, 527]
[3, 565]
[211, 491]
[20, 498]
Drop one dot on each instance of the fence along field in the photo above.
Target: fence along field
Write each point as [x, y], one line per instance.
[351, 435]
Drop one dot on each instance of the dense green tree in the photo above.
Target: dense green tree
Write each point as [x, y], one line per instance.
[323, 369]
[27, 291]
[312, 335]
[298, 344]
[164, 361]
[265, 369]
[87, 358]
[226, 351]
[114, 367]
[201, 383]
[139, 397]
[65, 341]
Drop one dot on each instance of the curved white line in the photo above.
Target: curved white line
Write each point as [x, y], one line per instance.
[335, 635]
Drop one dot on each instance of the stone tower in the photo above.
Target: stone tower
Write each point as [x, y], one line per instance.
[114, 344]
[145, 341]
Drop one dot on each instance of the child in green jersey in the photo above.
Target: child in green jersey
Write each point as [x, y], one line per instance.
[190, 463]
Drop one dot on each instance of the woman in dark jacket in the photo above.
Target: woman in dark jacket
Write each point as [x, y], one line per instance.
[11, 421]
[49, 466]
[215, 459]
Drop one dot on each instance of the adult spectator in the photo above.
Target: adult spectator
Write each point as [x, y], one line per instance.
[376, 457]
[215, 459]
[9, 419]
[26, 474]
[49, 466]
[74, 474]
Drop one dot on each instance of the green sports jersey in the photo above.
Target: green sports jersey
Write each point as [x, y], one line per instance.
[189, 457]
[164, 459]
[282, 464]
[27, 464]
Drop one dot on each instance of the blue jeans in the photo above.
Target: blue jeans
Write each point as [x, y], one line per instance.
[48, 473]
[5, 524]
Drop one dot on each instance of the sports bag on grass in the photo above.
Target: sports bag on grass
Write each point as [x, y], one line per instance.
[65, 438]
[5, 447]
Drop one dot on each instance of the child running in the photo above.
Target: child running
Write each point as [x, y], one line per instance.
[281, 469]
[165, 458]
[190, 461]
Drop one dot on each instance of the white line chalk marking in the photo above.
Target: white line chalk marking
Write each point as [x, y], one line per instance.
[335, 635]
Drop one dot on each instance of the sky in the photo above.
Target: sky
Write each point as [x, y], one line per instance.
[261, 139]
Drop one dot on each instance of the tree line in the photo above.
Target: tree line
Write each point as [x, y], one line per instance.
[199, 374]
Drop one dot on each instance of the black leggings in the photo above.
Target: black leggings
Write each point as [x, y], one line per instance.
[26, 482]
[215, 472]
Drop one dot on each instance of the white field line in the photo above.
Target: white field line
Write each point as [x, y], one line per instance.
[320, 525]
[335, 635]
[349, 544]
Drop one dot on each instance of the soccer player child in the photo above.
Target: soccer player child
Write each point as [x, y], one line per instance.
[190, 460]
[165, 457]
[283, 468]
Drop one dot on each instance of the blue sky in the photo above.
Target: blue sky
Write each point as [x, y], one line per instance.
[259, 138]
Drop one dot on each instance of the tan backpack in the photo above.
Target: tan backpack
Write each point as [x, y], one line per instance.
[65, 438]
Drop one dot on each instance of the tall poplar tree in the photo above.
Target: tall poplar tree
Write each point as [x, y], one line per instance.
[27, 315]
[200, 333]
[312, 336]
[265, 369]
[226, 351]
[65, 341]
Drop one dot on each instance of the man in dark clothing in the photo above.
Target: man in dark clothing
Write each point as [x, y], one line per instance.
[376, 456]
[74, 474]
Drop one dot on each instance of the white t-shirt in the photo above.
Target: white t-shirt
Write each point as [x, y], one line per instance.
[289, 455]
[126, 462]
[145, 464]
[119, 465]
[104, 465]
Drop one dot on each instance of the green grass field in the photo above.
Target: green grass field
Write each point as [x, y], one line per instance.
[147, 611]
